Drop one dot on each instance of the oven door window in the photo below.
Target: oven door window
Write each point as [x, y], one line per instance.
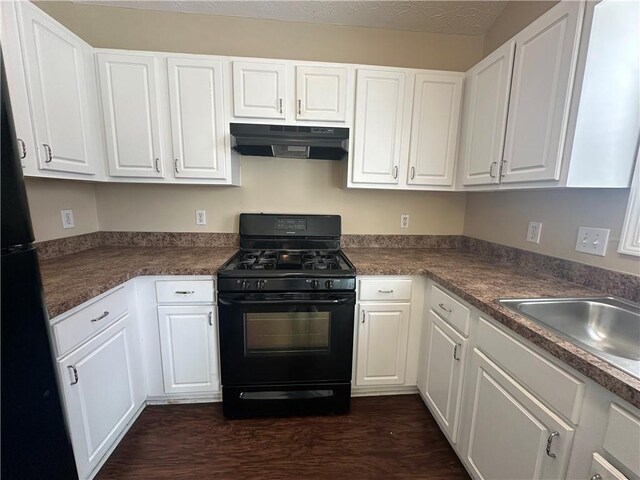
[287, 332]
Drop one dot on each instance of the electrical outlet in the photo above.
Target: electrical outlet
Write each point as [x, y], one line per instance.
[201, 217]
[67, 218]
[404, 220]
[592, 240]
[533, 232]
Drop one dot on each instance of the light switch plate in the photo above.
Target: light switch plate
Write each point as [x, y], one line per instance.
[592, 240]
[201, 217]
[404, 220]
[533, 232]
[67, 218]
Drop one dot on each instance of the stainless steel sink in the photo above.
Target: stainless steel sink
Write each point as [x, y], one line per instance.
[605, 326]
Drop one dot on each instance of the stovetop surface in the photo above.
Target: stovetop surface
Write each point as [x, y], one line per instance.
[286, 261]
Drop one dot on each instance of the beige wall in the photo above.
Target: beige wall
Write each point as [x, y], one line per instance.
[503, 217]
[46, 199]
[114, 27]
[278, 186]
[515, 16]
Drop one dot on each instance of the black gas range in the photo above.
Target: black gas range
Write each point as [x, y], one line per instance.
[286, 305]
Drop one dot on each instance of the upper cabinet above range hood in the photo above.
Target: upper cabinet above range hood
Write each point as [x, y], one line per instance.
[289, 141]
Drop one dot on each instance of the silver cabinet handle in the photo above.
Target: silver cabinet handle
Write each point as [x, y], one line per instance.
[456, 349]
[184, 292]
[395, 172]
[175, 165]
[385, 291]
[49, 156]
[23, 148]
[211, 318]
[491, 174]
[97, 319]
[549, 440]
[280, 104]
[299, 107]
[157, 164]
[75, 374]
[596, 476]
[448, 310]
[413, 173]
[363, 315]
[502, 163]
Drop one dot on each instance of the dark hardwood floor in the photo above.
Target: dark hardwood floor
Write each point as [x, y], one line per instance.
[392, 437]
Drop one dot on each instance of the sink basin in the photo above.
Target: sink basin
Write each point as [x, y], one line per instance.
[605, 326]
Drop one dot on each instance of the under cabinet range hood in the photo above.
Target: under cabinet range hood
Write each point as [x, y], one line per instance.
[289, 141]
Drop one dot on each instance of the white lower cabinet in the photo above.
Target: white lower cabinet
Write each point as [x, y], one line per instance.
[188, 345]
[441, 383]
[603, 470]
[102, 392]
[511, 434]
[382, 343]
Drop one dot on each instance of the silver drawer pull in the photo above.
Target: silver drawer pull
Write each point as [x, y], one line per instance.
[597, 476]
[448, 310]
[210, 317]
[184, 292]
[75, 374]
[549, 440]
[456, 349]
[97, 319]
[23, 148]
[385, 291]
[49, 156]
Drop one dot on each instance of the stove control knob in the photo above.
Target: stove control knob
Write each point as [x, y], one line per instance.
[245, 284]
[315, 284]
[329, 284]
[260, 284]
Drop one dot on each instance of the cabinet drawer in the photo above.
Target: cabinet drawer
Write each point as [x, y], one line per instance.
[549, 382]
[385, 290]
[622, 438]
[89, 320]
[451, 310]
[184, 291]
[601, 467]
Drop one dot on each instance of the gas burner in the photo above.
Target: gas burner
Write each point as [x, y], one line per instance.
[320, 264]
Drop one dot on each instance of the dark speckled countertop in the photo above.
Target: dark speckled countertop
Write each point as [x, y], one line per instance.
[73, 279]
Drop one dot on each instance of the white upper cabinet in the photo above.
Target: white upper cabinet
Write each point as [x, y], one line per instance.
[131, 114]
[486, 102]
[540, 96]
[197, 117]
[259, 89]
[56, 64]
[434, 128]
[380, 120]
[321, 93]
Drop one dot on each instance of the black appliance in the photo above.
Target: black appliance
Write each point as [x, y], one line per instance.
[286, 305]
[290, 141]
[35, 441]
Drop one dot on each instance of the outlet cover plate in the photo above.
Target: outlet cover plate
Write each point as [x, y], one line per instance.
[592, 241]
[67, 218]
[404, 220]
[533, 232]
[201, 217]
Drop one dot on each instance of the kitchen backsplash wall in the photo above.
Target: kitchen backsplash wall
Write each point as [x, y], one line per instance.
[278, 185]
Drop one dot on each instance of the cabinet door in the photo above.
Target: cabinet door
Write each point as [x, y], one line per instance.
[510, 429]
[100, 394]
[188, 343]
[382, 344]
[56, 63]
[321, 93]
[131, 116]
[484, 116]
[259, 89]
[434, 129]
[17, 84]
[444, 373]
[197, 118]
[379, 123]
[543, 71]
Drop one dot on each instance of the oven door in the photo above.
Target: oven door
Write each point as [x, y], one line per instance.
[285, 338]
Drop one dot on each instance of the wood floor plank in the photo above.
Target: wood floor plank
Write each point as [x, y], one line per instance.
[390, 437]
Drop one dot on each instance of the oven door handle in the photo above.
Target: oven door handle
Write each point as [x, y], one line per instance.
[340, 301]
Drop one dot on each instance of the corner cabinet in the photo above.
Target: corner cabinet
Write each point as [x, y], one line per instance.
[405, 132]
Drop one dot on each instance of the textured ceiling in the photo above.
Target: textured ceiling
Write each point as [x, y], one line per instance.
[463, 17]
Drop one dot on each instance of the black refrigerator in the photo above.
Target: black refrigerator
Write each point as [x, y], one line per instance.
[34, 438]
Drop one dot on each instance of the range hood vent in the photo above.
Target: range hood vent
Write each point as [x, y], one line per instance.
[290, 141]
